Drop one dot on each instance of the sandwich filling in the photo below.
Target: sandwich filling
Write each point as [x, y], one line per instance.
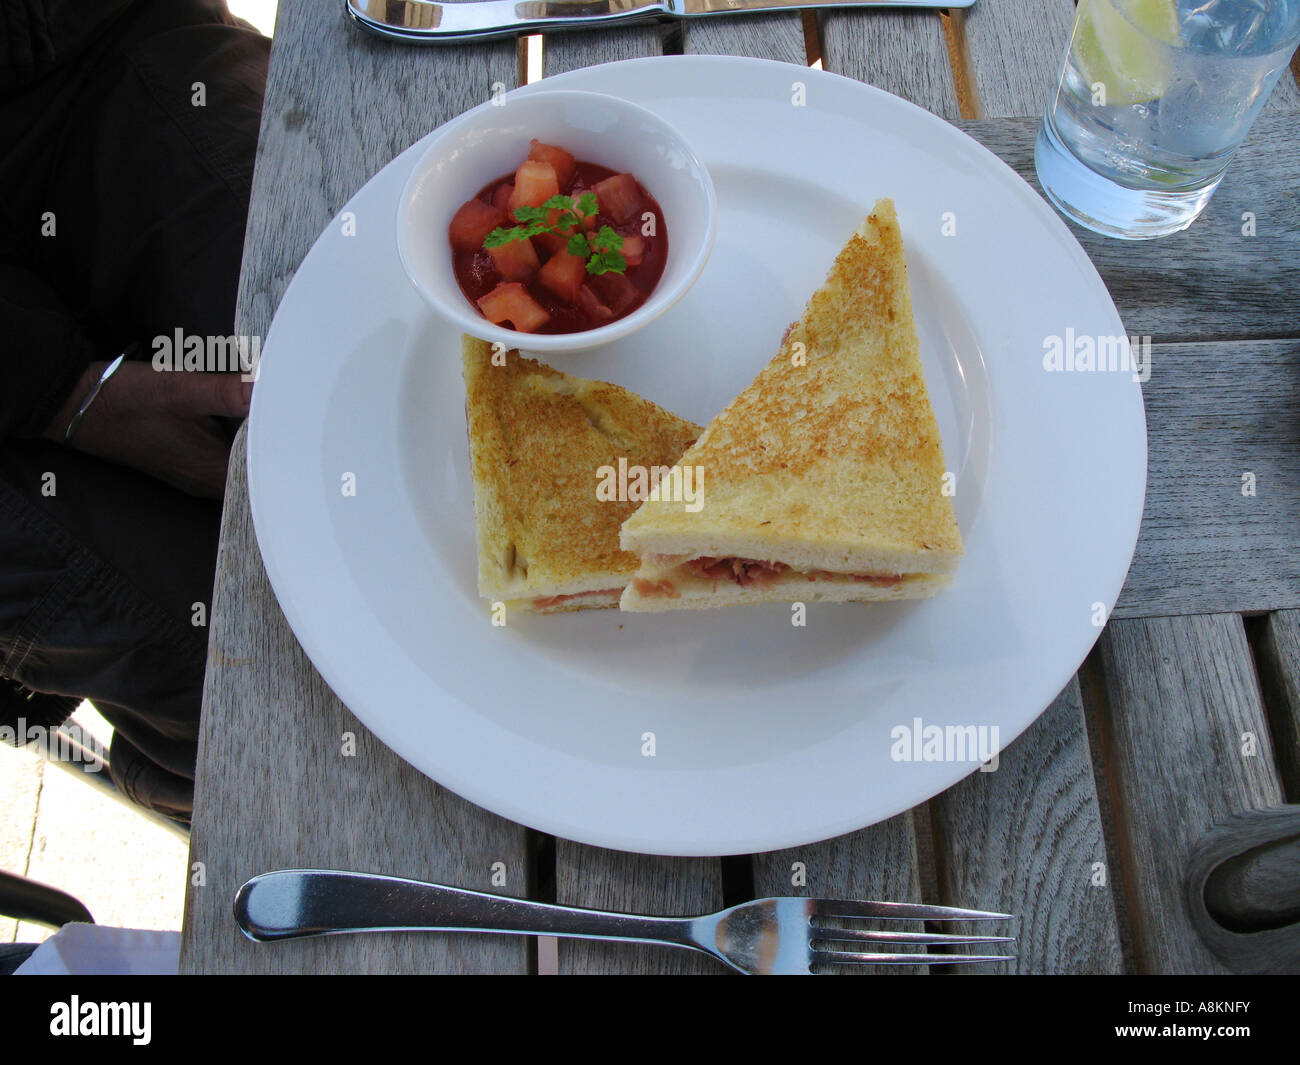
[752, 571]
[748, 573]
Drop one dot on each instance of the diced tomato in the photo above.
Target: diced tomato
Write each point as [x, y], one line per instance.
[474, 221]
[563, 163]
[620, 197]
[591, 305]
[550, 243]
[501, 198]
[535, 183]
[633, 249]
[510, 302]
[564, 274]
[615, 291]
[516, 261]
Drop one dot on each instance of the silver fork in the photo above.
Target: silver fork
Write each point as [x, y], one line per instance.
[777, 936]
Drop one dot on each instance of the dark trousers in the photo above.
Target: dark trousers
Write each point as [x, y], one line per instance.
[106, 580]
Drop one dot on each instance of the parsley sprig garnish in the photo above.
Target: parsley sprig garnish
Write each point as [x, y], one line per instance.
[601, 250]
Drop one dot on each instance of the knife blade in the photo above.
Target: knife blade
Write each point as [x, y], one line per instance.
[428, 22]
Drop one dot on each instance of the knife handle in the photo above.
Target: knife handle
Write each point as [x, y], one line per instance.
[426, 22]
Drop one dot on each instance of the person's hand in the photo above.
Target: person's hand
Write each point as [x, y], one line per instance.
[162, 423]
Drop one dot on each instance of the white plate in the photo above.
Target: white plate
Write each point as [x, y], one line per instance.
[766, 735]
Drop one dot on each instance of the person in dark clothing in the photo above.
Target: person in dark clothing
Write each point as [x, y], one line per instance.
[130, 128]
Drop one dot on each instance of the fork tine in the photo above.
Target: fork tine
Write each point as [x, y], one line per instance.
[899, 911]
[835, 957]
[871, 935]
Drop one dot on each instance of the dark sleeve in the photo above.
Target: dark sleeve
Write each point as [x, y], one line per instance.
[43, 352]
[36, 36]
[26, 48]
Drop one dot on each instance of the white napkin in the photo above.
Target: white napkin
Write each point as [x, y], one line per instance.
[96, 950]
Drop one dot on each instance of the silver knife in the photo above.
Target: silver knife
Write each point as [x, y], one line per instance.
[427, 22]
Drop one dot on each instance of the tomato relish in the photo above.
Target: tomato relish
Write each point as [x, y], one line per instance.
[535, 285]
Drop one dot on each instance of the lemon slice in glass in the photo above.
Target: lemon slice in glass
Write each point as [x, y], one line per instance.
[1124, 45]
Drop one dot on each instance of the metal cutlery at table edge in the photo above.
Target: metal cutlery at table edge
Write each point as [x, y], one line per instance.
[429, 22]
[772, 936]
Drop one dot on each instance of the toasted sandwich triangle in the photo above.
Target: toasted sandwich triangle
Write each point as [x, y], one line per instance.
[539, 439]
[830, 463]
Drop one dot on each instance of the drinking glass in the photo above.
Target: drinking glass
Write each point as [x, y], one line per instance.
[1154, 98]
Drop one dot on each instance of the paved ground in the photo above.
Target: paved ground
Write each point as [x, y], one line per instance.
[61, 830]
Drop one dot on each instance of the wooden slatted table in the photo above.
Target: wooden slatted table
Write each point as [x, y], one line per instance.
[1186, 712]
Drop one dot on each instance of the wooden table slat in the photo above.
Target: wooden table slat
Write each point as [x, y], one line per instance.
[634, 883]
[778, 36]
[1014, 50]
[1220, 528]
[879, 862]
[903, 52]
[571, 51]
[1031, 830]
[1188, 744]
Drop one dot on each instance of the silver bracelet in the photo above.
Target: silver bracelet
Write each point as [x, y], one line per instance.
[85, 405]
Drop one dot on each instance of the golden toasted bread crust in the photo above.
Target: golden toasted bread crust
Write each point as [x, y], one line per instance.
[538, 438]
[832, 458]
